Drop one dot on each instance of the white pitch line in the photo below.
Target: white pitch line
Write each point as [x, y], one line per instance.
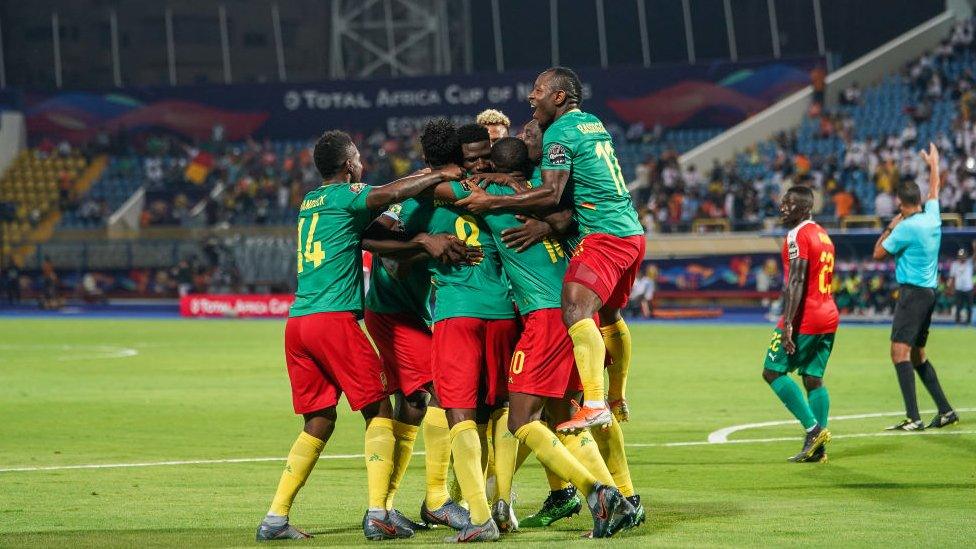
[712, 440]
[794, 439]
[166, 463]
[721, 436]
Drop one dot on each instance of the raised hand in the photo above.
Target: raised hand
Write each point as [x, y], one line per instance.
[931, 157]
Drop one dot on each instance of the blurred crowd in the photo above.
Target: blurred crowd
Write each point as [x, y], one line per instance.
[250, 183]
[671, 197]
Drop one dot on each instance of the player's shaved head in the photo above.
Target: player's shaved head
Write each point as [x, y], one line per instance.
[440, 144]
[796, 206]
[509, 154]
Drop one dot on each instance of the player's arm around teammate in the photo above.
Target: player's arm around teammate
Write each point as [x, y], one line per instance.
[326, 351]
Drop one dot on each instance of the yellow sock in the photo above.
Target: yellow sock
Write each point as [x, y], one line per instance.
[301, 459]
[611, 444]
[484, 437]
[555, 456]
[380, 444]
[466, 448]
[616, 337]
[405, 435]
[506, 454]
[555, 481]
[585, 449]
[590, 352]
[523, 453]
[437, 450]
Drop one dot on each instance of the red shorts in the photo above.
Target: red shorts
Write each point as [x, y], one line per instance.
[543, 363]
[328, 354]
[608, 265]
[404, 342]
[469, 352]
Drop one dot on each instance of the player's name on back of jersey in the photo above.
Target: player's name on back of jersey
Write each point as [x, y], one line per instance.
[591, 127]
[313, 203]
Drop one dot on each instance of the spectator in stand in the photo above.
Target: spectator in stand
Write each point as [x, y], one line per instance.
[642, 294]
[183, 275]
[844, 203]
[11, 284]
[818, 79]
[50, 286]
[91, 292]
[851, 95]
[884, 205]
[961, 282]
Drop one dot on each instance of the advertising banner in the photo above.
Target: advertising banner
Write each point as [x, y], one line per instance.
[235, 306]
[706, 95]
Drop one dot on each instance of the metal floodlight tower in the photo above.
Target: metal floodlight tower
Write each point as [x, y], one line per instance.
[405, 37]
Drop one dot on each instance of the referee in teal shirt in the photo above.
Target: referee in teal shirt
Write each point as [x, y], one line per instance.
[913, 238]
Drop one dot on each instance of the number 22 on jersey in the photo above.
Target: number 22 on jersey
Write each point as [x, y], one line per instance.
[826, 275]
[313, 252]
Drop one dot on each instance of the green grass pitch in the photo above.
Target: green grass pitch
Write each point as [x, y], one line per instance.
[76, 392]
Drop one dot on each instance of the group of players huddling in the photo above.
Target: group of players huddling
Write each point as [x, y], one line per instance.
[530, 246]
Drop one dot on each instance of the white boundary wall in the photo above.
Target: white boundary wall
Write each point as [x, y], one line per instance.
[13, 137]
[788, 113]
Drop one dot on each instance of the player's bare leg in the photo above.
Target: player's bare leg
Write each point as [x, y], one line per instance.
[611, 512]
[616, 337]
[579, 304]
[304, 454]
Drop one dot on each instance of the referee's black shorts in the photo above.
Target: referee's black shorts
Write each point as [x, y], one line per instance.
[913, 315]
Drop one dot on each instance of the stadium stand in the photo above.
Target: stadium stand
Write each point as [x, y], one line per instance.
[38, 185]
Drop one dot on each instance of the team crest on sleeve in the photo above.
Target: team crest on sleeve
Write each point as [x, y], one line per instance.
[556, 154]
[395, 209]
[357, 187]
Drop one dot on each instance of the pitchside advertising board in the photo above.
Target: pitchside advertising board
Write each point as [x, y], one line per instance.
[711, 95]
[236, 306]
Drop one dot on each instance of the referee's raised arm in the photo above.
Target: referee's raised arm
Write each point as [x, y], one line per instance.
[931, 159]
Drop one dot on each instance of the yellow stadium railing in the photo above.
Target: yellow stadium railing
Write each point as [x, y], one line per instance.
[860, 221]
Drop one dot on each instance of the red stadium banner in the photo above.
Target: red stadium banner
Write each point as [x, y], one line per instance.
[236, 306]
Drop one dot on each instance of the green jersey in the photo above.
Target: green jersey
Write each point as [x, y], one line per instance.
[331, 221]
[407, 291]
[475, 291]
[578, 142]
[537, 273]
